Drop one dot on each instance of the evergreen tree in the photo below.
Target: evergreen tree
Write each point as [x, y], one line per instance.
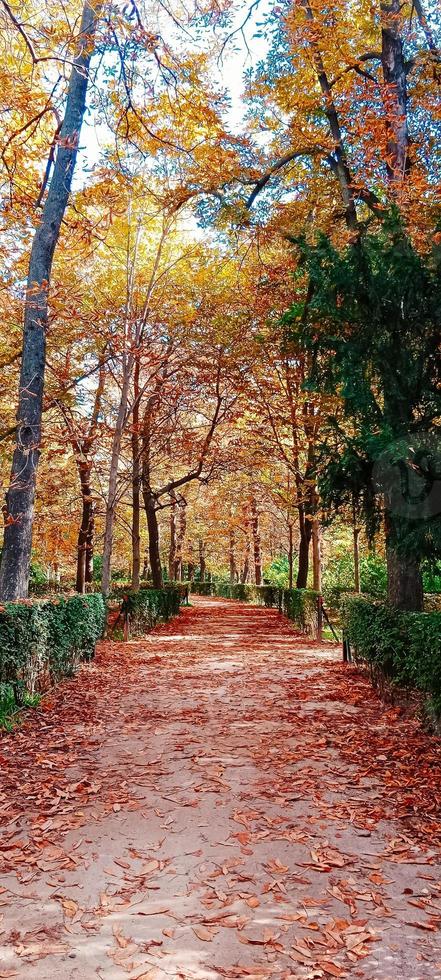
[371, 325]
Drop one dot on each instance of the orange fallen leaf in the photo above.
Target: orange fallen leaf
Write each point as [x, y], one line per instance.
[70, 907]
[207, 935]
[329, 967]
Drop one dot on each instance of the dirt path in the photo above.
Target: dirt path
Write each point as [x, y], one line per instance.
[222, 799]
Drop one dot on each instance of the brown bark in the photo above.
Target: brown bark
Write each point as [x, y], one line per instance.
[154, 540]
[173, 532]
[290, 555]
[356, 535]
[136, 481]
[316, 557]
[305, 528]
[395, 91]
[404, 581]
[202, 561]
[85, 526]
[182, 528]
[149, 497]
[257, 551]
[246, 565]
[337, 160]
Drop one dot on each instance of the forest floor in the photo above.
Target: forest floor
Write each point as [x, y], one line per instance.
[221, 799]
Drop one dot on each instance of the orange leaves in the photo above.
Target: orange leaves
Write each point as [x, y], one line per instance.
[205, 934]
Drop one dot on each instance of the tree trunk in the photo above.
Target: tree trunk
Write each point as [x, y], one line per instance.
[395, 90]
[113, 476]
[356, 535]
[136, 481]
[256, 542]
[246, 565]
[85, 528]
[173, 531]
[16, 555]
[153, 529]
[202, 562]
[290, 555]
[404, 578]
[316, 557]
[182, 528]
[232, 551]
[305, 526]
[90, 543]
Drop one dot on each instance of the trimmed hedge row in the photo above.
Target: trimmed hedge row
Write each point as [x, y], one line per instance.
[43, 641]
[403, 647]
[145, 607]
[299, 605]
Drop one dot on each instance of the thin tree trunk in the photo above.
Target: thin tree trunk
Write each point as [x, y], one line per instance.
[172, 551]
[356, 535]
[305, 527]
[150, 499]
[290, 556]
[90, 544]
[84, 531]
[182, 528]
[202, 562]
[246, 565]
[16, 554]
[316, 557]
[154, 540]
[395, 90]
[232, 552]
[113, 476]
[136, 481]
[256, 542]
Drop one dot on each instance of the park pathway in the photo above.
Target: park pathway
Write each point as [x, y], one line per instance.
[222, 799]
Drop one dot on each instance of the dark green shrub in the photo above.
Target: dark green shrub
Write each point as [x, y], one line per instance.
[146, 606]
[43, 641]
[268, 595]
[202, 588]
[405, 647]
[301, 606]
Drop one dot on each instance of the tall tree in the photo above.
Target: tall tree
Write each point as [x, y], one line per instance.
[16, 554]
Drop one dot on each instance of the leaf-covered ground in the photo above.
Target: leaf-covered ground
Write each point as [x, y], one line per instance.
[221, 799]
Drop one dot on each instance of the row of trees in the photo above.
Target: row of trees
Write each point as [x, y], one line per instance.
[247, 318]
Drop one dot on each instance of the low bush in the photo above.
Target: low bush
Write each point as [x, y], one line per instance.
[404, 647]
[301, 607]
[40, 642]
[145, 607]
[202, 588]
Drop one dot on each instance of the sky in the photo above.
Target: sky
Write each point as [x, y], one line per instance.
[243, 52]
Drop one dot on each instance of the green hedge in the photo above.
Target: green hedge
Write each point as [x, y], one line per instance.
[43, 641]
[146, 606]
[202, 588]
[404, 647]
[301, 606]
